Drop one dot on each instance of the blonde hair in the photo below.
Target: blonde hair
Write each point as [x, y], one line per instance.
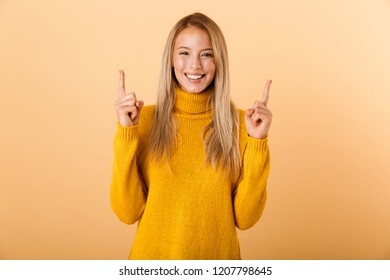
[220, 136]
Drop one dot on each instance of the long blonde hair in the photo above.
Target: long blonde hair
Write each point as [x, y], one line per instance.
[220, 136]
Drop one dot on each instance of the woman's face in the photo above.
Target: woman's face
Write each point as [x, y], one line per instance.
[193, 60]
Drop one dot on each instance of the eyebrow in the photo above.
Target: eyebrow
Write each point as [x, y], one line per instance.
[187, 48]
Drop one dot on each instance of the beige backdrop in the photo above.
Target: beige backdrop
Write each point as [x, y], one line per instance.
[329, 187]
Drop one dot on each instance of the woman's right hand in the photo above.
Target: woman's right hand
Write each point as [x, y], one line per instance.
[127, 107]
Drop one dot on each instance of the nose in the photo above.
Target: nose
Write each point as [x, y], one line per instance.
[196, 64]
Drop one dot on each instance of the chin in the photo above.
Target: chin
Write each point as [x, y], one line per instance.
[196, 89]
[193, 90]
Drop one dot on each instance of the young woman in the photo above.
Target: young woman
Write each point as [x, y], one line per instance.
[192, 168]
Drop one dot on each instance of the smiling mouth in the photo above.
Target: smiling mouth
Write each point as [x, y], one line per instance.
[194, 77]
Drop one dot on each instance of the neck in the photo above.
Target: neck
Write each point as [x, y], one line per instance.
[192, 103]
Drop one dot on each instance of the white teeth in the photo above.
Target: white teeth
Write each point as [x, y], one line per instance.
[194, 77]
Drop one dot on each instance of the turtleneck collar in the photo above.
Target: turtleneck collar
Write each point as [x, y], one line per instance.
[192, 103]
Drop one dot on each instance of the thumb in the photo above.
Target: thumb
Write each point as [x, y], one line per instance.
[249, 113]
[137, 112]
[139, 104]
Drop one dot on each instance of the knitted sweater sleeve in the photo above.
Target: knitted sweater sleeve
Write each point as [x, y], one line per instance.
[127, 191]
[250, 194]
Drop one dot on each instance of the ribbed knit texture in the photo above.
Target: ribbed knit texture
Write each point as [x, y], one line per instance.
[186, 210]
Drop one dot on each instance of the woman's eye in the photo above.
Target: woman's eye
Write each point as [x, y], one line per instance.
[208, 55]
[183, 53]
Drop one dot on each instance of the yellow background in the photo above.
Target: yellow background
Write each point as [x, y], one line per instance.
[329, 187]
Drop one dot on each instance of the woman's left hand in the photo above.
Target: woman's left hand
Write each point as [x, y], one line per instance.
[258, 119]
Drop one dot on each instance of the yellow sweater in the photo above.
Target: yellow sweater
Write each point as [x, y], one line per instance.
[187, 210]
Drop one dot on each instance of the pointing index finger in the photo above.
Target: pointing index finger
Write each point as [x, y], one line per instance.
[121, 87]
[266, 93]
